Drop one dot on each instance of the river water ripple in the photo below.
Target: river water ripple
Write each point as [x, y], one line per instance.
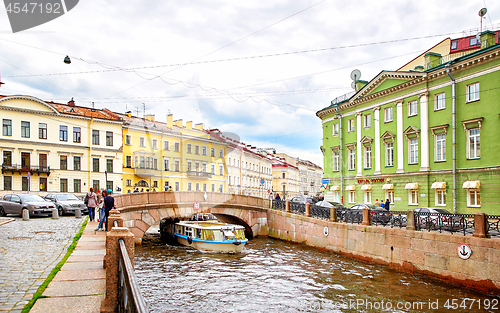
[277, 276]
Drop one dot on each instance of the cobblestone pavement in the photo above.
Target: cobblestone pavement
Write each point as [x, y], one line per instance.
[29, 250]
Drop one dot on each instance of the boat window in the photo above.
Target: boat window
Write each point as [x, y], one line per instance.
[218, 236]
[188, 231]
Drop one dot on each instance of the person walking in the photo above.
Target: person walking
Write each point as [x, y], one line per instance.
[102, 214]
[377, 203]
[91, 203]
[386, 205]
[277, 197]
[109, 204]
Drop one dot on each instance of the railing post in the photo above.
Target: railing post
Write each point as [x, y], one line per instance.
[410, 220]
[111, 260]
[308, 209]
[114, 215]
[333, 214]
[480, 229]
[366, 216]
[287, 206]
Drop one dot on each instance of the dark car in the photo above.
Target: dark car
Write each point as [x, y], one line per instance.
[378, 215]
[16, 203]
[66, 202]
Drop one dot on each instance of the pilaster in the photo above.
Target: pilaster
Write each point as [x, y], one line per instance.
[359, 152]
[399, 137]
[376, 112]
[424, 132]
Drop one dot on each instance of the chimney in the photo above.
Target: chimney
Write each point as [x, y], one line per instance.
[189, 125]
[487, 39]
[419, 68]
[199, 126]
[71, 102]
[432, 60]
[128, 113]
[178, 123]
[170, 120]
[149, 117]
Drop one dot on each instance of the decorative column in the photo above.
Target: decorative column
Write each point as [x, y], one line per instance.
[424, 131]
[400, 136]
[359, 152]
[376, 112]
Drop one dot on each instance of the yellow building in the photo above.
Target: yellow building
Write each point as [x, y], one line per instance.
[171, 156]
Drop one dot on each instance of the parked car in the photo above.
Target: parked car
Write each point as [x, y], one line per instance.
[16, 203]
[338, 205]
[378, 215]
[66, 203]
[302, 199]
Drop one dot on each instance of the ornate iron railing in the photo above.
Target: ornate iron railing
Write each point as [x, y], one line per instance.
[129, 295]
[279, 205]
[493, 224]
[349, 216]
[297, 208]
[319, 211]
[380, 217]
[454, 223]
[398, 219]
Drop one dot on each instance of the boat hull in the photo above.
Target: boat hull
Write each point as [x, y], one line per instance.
[226, 246]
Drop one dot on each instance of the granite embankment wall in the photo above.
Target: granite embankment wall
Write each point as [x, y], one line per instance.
[432, 254]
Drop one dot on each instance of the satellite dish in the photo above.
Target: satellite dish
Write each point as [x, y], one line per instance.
[355, 75]
[353, 85]
[482, 12]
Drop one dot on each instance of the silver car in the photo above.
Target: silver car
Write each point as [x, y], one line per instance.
[16, 203]
[66, 203]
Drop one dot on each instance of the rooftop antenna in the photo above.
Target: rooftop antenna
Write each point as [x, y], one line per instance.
[144, 109]
[355, 75]
[137, 111]
[93, 107]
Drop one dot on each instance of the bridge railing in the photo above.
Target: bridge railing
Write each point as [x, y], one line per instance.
[129, 294]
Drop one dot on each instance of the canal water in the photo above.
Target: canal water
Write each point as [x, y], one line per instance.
[278, 276]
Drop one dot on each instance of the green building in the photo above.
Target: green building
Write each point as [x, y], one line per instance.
[421, 137]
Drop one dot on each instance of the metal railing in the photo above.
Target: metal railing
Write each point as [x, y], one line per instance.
[398, 219]
[129, 295]
[493, 225]
[298, 208]
[349, 216]
[279, 205]
[319, 212]
[453, 223]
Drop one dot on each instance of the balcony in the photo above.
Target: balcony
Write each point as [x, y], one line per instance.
[199, 174]
[144, 172]
[32, 169]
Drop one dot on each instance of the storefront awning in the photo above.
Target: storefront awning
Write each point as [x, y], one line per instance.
[411, 186]
[388, 187]
[366, 187]
[350, 187]
[472, 184]
[335, 188]
[439, 185]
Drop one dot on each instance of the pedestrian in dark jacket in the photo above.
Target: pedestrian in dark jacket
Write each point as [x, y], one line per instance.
[109, 204]
[386, 206]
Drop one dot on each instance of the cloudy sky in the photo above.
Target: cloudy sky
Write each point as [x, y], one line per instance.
[260, 69]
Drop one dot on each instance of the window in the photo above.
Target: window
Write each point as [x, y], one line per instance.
[177, 165]
[389, 194]
[128, 161]
[95, 137]
[95, 166]
[177, 186]
[155, 143]
[473, 92]
[204, 167]
[25, 184]
[177, 147]
[7, 183]
[335, 157]
[389, 154]
[189, 148]
[413, 197]
[440, 147]
[128, 140]
[229, 180]
[189, 166]
[350, 125]
[474, 143]
[166, 145]
[166, 165]
[473, 41]
[473, 198]
[221, 169]
[42, 131]
[190, 186]
[95, 184]
[213, 187]
[388, 114]
[368, 120]
[109, 139]
[221, 153]
[412, 108]
[204, 150]
[63, 185]
[439, 101]
[7, 128]
[368, 196]
[454, 44]
[155, 184]
[197, 149]
[77, 134]
[109, 165]
[109, 185]
[352, 158]
[43, 183]
[77, 185]
[128, 182]
[155, 164]
[204, 187]
[7, 158]
[212, 152]
[77, 163]
[25, 129]
[413, 151]
[335, 129]
[440, 197]
[221, 189]
[197, 186]
[352, 196]
[63, 133]
[213, 168]
[368, 156]
[142, 142]
[63, 162]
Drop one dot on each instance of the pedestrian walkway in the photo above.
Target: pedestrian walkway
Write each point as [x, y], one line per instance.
[79, 286]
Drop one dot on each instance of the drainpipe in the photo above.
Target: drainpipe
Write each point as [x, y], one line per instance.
[341, 165]
[454, 137]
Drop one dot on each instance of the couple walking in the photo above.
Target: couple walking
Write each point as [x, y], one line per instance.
[105, 204]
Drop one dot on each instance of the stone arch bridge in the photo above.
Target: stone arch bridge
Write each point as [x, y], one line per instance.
[142, 210]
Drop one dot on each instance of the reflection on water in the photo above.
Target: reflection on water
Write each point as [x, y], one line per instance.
[277, 276]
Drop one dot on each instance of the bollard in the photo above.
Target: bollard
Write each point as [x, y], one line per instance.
[78, 213]
[26, 215]
[308, 209]
[55, 213]
[410, 220]
[366, 217]
[333, 214]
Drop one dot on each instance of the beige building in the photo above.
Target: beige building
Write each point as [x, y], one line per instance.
[51, 147]
[309, 176]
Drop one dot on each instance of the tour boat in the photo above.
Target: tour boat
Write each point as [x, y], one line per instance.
[205, 232]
